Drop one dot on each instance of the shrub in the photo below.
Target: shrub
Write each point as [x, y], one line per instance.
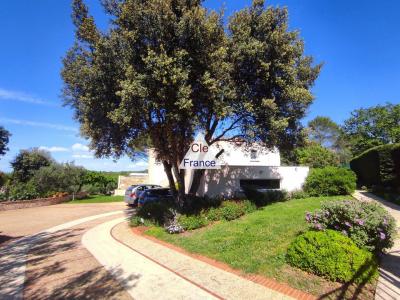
[262, 198]
[231, 210]
[316, 156]
[298, 195]
[332, 255]
[378, 166]
[23, 191]
[192, 222]
[138, 221]
[368, 224]
[249, 206]
[194, 204]
[156, 212]
[330, 181]
[213, 214]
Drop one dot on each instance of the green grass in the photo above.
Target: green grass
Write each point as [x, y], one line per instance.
[257, 242]
[98, 199]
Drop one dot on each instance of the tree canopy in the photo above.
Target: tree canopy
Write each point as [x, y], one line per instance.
[167, 69]
[374, 126]
[27, 162]
[323, 131]
[4, 139]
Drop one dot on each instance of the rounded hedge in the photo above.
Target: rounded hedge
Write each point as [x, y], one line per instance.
[332, 255]
[330, 181]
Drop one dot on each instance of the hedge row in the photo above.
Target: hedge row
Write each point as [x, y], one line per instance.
[378, 166]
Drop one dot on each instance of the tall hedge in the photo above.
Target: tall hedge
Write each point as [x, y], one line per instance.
[378, 166]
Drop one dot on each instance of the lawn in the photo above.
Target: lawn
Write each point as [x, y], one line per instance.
[257, 242]
[98, 199]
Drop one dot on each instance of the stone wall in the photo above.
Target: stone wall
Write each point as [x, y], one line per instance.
[10, 205]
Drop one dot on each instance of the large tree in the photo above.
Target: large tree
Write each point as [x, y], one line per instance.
[323, 131]
[374, 126]
[27, 162]
[168, 68]
[4, 139]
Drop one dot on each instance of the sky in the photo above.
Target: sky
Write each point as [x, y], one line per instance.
[358, 42]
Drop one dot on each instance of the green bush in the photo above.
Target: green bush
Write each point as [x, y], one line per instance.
[378, 166]
[231, 210]
[298, 195]
[213, 214]
[156, 212]
[330, 181]
[23, 191]
[262, 198]
[332, 255]
[192, 222]
[368, 224]
[138, 221]
[316, 156]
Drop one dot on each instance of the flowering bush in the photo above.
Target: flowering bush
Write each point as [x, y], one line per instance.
[368, 224]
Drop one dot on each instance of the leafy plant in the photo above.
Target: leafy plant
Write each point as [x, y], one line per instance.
[23, 191]
[192, 222]
[231, 210]
[330, 181]
[157, 212]
[368, 224]
[316, 156]
[332, 255]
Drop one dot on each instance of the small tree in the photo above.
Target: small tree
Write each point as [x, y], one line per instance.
[316, 156]
[104, 183]
[323, 131]
[27, 162]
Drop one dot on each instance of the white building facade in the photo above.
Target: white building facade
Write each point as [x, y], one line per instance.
[240, 165]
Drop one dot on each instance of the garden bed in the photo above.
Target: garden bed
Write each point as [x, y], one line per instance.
[257, 243]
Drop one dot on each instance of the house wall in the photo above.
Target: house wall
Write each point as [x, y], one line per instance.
[156, 170]
[226, 181]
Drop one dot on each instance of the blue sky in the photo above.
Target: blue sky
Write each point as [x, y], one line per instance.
[358, 41]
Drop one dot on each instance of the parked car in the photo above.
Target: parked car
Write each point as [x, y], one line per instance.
[133, 192]
[153, 195]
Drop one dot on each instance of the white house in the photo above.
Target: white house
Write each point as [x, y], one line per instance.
[240, 164]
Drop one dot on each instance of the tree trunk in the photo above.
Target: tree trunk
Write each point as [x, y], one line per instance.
[197, 175]
[171, 181]
[180, 177]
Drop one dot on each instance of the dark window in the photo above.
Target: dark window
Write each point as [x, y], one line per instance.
[261, 183]
[253, 154]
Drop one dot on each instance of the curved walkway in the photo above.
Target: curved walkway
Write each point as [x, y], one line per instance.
[388, 287]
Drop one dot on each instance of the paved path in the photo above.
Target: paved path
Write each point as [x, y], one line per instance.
[89, 252]
[388, 287]
[52, 263]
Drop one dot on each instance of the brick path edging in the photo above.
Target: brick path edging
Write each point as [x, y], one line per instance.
[264, 281]
[11, 205]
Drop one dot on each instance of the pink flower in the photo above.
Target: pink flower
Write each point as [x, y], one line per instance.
[382, 236]
[308, 217]
[347, 224]
[360, 222]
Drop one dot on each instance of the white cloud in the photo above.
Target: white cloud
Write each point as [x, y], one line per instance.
[23, 97]
[80, 147]
[54, 149]
[82, 156]
[38, 124]
[139, 164]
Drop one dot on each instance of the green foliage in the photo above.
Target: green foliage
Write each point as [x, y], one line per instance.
[323, 131]
[262, 198]
[192, 222]
[368, 224]
[378, 167]
[332, 255]
[23, 191]
[4, 139]
[374, 126]
[3, 179]
[156, 212]
[100, 182]
[316, 156]
[298, 195]
[27, 162]
[139, 221]
[153, 81]
[231, 210]
[330, 181]
[59, 178]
